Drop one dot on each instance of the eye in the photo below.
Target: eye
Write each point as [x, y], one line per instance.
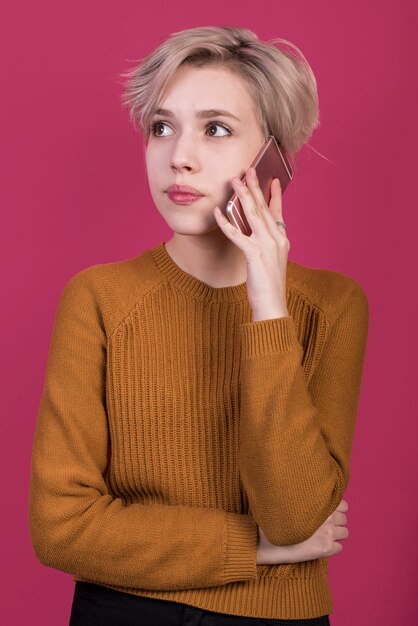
[154, 126]
[214, 124]
[156, 123]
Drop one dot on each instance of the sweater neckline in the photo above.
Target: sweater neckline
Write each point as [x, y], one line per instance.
[199, 289]
[192, 285]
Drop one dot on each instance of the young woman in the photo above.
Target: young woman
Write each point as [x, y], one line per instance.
[193, 439]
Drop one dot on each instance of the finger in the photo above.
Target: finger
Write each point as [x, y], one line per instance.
[341, 532]
[275, 205]
[254, 185]
[273, 212]
[229, 230]
[339, 519]
[249, 205]
[343, 506]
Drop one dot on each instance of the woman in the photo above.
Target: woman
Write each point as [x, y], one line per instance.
[193, 439]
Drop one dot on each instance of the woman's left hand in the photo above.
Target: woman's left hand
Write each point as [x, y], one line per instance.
[266, 249]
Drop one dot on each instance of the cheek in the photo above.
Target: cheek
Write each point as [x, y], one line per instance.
[153, 163]
[225, 188]
[155, 179]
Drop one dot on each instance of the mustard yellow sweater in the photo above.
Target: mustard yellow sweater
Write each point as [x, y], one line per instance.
[171, 425]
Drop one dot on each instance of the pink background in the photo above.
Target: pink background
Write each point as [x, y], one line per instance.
[74, 193]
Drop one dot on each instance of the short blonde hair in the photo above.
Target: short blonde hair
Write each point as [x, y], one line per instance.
[280, 80]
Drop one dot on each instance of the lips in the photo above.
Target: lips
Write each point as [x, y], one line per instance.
[183, 189]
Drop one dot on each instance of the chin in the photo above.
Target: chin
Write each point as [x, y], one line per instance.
[195, 225]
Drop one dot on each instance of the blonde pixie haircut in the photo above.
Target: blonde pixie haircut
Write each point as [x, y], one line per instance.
[279, 79]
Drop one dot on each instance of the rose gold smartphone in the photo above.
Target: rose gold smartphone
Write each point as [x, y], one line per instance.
[271, 162]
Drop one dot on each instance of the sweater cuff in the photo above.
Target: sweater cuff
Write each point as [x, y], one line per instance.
[268, 336]
[241, 547]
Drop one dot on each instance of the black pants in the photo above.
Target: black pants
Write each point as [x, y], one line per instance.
[97, 605]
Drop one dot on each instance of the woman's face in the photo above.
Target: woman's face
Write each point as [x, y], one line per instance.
[203, 151]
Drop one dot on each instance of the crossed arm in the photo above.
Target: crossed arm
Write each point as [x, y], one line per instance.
[76, 526]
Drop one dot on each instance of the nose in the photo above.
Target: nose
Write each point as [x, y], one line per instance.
[184, 154]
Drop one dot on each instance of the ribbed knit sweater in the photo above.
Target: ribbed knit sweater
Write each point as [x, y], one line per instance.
[171, 425]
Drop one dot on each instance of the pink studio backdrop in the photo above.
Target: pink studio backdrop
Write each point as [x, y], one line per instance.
[74, 193]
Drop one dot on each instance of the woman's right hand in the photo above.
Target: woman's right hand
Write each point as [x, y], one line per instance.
[323, 543]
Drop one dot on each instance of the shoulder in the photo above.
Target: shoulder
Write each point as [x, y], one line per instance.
[329, 291]
[112, 288]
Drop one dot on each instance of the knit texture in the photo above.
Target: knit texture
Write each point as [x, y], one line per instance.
[170, 425]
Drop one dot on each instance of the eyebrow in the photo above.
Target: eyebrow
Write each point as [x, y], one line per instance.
[201, 114]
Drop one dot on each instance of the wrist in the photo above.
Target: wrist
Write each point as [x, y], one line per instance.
[285, 554]
[260, 315]
[276, 556]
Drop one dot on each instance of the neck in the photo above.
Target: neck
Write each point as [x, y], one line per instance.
[213, 259]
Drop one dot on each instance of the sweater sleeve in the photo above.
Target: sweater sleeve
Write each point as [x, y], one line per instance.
[295, 440]
[76, 525]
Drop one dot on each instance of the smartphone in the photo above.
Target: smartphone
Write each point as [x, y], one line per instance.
[271, 162]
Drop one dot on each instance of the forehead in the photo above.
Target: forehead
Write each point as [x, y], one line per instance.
[196, 88]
